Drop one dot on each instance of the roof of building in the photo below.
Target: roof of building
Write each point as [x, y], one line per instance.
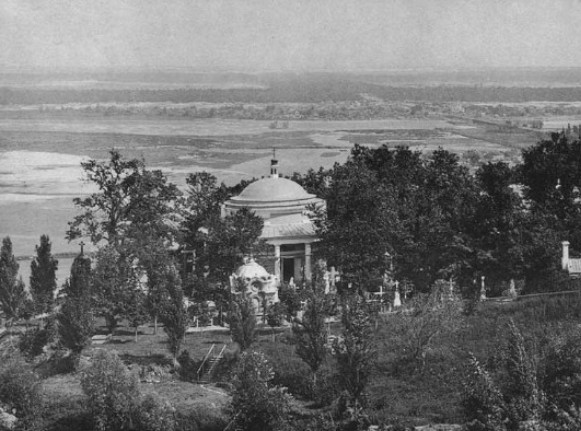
[251, 269]
[574, 266]
[273, 189]
[288, 226]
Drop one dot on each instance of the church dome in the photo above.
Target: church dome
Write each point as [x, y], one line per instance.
[251, 270]
[273, 189]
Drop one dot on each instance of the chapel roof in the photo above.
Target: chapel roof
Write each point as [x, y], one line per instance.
[273, 189]
[251, 270]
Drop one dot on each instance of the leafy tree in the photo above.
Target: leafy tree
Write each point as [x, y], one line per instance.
[242, 323]
[355, 351]
[130, 200]
[112, 391]
[416, 329]
[173, 312]
[75, 319]
[43, 276]
[114, 280]
[136, 310]
[255, 404]
[218, 243]
[13, 296]
[310, 332]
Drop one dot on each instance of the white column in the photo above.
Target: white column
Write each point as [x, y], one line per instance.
[565, 255]
[308, 268]
[277, 260]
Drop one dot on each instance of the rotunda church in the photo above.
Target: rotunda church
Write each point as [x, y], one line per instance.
[282, 204]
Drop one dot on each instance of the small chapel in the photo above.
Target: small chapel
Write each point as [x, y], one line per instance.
[282, 204]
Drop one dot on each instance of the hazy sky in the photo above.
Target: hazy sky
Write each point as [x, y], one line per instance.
[290, 34]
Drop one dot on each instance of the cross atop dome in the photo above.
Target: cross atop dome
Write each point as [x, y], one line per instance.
[274, 165]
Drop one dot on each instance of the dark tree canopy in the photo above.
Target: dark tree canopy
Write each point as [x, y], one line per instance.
[12, 292]
[130, 200]
[43, 282]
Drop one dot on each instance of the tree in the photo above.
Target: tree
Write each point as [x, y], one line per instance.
[43, 276]
[114, 280]
[129, 201]
[217, 242]
[173, 312]
[310, 332]
[75, 318]
[13, 296]
[355, 352]
[112, 391]
[255, 404]
[242, 323]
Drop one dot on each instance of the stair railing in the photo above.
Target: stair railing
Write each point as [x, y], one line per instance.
[204, 361]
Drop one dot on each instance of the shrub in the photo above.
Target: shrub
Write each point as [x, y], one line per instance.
[32, 342]
[242, 323]
[112, 391]
[20, 389]
[154, 414]
[415, 330]
[255, 404]
[355, 352]
[483, 403]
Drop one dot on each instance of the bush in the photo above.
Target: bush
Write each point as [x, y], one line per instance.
[242, 323]
[256, 405]
[20, 389]
[154, 414]
[112, 391]
[32, 342]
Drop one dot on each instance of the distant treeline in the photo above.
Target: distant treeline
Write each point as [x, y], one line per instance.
[293, 91]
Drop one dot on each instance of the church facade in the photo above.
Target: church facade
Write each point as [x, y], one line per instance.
[282, 204]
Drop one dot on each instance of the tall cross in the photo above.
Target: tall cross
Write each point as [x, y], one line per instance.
[82, 244]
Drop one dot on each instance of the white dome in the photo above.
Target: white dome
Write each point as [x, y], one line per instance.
[273, 189]
[252, 270]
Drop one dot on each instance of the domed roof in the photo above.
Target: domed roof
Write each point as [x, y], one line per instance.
[273, 189]
[252, 270]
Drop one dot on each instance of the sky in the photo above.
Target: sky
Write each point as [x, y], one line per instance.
[294, 35]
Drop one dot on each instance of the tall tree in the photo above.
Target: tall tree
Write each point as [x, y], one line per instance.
[114, 279]
[173, 313]
[12, 292]
[130, 200]
[310, 332]
[43, 276]
[75, 318]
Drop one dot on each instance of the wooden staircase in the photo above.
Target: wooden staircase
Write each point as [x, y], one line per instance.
[209, 364]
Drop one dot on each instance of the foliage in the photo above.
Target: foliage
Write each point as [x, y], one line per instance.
[291, 299]
[416, 327]
[242, 323]
[75, 318]
[310, 331]
[218, 242]
[43, 276]
[275, 314]
[20, 389]
[12, 292]
[354, 351]
[113, 282]
[514, 397]
[32, 342]
[154, 414]
[483, 402]
[562, 375]
[111, 390]
[173, 315]
[131, 200]
[255, 404]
